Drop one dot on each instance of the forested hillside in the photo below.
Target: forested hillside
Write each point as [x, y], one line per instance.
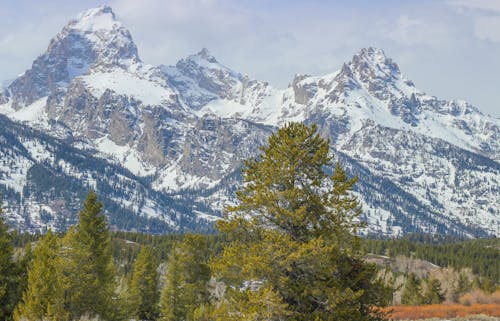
[288, 250]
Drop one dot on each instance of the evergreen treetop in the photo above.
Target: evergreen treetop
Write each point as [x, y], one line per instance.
[293, 236]
[6, 269]
[144, 286]
[42, 280]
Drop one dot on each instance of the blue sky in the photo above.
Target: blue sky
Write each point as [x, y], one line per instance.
[449, 48]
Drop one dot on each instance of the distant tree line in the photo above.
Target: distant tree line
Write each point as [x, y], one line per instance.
[481, 255]
[289, 251]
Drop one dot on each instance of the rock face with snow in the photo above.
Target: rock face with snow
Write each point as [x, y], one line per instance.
[424, 164]
[44, 182]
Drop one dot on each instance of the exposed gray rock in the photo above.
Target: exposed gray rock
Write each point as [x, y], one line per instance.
[424, 164]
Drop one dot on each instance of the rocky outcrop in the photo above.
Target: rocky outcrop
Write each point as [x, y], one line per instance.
[424, 164]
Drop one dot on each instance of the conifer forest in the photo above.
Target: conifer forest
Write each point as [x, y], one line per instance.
[288, 250]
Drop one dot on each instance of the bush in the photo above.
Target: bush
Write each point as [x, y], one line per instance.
[443, 311]
[479, 297]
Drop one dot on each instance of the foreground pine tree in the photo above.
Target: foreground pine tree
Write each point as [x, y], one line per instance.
[42, 281]
[172, 303]
[185, 295]
[87, 268]
[144, 294]
[7, 274]
[293, 253]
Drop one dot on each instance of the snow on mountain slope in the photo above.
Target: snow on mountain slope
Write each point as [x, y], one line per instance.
[94, 37]
[424, 164]
[44, 181]
[209, 87]
[123, 82]
[371, 87]
[369, 97]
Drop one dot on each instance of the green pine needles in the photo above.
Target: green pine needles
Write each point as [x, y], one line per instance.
[288, 250]
[294, 254]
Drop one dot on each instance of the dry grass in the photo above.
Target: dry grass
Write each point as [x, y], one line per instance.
[479, 297]
[443, 311]
[469, 318]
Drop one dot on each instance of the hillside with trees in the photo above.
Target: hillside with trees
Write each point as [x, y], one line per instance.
[288, 250]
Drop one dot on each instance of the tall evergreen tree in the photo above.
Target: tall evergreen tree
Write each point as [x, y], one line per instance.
[172, 304]
[186, 287]
[42, 280]
[433, 293]
[7, 271]
[412, 292]
[143, 287]
[88, 272]
[463, 286]
[293, 236]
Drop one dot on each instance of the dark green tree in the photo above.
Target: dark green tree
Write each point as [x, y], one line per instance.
[88, 272]
[172, 305]
[462, 286]
[186, 288]
[42, 280]
[433, 293]
[7, 271]
[293, 237]
[412, 292]
[144, 293]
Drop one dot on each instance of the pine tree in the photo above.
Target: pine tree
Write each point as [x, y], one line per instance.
[143, 287]
[463, 286]
[42, 280]
[7, 271]
[23, 265]
[249, 305]
[292, 234]
[412, 291]
[88, 272]
[171, 302]
[433, 293]
[186, 287]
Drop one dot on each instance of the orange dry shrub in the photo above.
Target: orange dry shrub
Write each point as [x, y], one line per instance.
[442, 311]
[479, 297]
[495, 297]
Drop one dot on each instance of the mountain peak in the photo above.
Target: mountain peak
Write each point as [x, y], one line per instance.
[99, 18]
[94, 38]
[103, 38]
[372, 62]
[205, 55]
[372, 53]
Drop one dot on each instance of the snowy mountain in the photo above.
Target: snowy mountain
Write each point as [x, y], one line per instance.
[44, 182]
[182, 131]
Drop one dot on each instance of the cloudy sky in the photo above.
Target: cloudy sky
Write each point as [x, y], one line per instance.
[449, 48]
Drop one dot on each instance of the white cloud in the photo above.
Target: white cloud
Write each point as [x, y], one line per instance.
[493, 5]
[435, 44]
[485, 15]
[487, 28]
[417, 31]
[409, 31]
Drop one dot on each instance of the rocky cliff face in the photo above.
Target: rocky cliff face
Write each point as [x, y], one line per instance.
[424, 164]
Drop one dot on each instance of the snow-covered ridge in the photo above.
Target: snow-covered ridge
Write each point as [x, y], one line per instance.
[95, 19]
[186, 128]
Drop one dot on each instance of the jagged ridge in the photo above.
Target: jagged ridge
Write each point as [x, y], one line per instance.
[187, 128]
